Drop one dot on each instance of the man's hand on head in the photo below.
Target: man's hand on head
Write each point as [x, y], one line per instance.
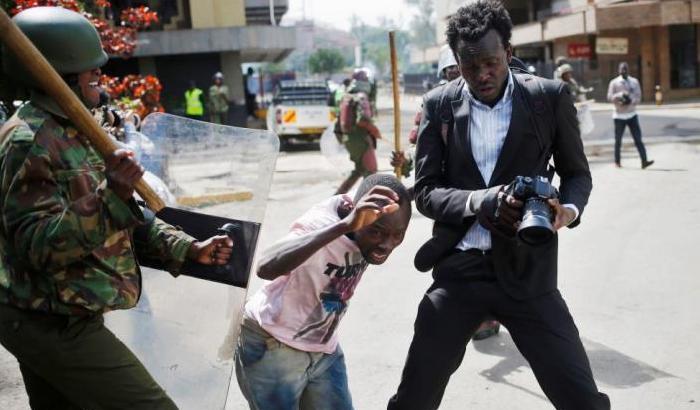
[379, 201]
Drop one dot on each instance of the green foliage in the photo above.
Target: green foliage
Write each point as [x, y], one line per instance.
[326, 61]
[374, 42]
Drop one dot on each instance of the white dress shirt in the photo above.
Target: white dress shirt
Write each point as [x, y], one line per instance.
[488, 127]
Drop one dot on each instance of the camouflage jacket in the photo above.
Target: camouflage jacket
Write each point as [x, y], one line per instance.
[66, 239]
[218, 98]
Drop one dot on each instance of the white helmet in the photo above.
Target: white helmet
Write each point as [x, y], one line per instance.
[219, 76]
[446, 59]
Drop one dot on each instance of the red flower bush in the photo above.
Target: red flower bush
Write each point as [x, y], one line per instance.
[133, 92]
[119, 40]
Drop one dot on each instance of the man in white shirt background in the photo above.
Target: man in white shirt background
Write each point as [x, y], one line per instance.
[624, 91]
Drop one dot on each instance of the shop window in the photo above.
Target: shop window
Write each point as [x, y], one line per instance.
[684, 55]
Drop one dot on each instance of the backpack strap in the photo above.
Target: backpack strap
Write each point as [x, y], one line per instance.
[450, 92]
[540, 105]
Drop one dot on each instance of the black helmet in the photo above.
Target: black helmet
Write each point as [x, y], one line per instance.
[67, 39]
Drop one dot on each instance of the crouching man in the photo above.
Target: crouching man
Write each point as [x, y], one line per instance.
[288, 354]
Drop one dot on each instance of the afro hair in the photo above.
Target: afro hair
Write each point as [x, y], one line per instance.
[472, 22]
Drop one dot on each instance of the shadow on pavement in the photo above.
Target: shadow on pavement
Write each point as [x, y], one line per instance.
[610, 367]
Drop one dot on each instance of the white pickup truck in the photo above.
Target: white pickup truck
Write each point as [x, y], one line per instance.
[300, 111]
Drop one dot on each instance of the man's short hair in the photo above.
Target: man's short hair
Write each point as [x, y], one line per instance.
[387, 180]
[472, 22]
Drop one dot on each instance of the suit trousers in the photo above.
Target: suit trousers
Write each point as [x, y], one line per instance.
[541, 327]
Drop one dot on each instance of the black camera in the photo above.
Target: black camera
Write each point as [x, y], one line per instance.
[626, 99]
[536, 226]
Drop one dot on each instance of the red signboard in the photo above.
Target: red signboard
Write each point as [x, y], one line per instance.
[579, 50]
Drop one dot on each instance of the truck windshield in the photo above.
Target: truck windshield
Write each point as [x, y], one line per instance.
[301, 93]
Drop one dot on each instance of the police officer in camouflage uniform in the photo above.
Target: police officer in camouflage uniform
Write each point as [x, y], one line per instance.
[70, 236]
[360, 138]
[218, 100]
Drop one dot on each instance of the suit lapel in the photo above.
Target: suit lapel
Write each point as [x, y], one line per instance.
[518, 121]
[460, 113]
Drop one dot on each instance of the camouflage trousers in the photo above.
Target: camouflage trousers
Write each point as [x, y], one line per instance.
[218, 117]
[72, 362]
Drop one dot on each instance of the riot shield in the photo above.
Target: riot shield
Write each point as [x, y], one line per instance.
[332, 149]
[184, 329]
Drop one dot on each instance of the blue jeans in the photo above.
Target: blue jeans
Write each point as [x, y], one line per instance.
[636, 131]
[274, 376]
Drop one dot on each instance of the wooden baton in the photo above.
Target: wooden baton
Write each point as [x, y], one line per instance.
[397, 103]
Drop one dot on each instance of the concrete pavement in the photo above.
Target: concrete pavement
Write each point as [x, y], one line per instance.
[629, 274]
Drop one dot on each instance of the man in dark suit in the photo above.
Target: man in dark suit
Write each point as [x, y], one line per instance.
[497, 125]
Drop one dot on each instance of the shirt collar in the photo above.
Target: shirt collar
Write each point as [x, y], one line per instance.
[507, 96]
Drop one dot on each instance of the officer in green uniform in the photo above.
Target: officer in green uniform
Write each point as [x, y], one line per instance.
[218, 100]
[360, 137]
[70, 236]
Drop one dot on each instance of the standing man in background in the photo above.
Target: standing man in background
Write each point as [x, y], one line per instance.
[218, 100]
[194, 102]
[625, 92]
[251, 90]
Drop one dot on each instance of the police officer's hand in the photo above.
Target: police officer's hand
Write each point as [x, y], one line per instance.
[398, 159]
[123, 171]
[216, 250]
[379, 201]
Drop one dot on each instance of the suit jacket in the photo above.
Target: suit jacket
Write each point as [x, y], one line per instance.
[446, 174]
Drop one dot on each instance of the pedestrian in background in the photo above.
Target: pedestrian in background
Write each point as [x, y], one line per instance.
[218, 100]
[560, 61]
[578, 92]
[251, 90]
[194, 102]
[624, 91]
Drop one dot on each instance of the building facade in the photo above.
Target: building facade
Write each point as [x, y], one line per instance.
[659, 39]
[197, 38]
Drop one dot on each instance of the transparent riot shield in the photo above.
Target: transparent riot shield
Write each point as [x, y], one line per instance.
[184, 329]
[331, 148]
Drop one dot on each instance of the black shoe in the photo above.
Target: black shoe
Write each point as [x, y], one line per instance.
[646, 164]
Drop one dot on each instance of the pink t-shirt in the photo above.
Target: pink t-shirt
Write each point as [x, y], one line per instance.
[303, 309]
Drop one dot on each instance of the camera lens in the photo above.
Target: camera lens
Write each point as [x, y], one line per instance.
[536, 226]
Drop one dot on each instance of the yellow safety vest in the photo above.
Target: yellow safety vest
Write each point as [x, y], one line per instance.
[193, 102]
